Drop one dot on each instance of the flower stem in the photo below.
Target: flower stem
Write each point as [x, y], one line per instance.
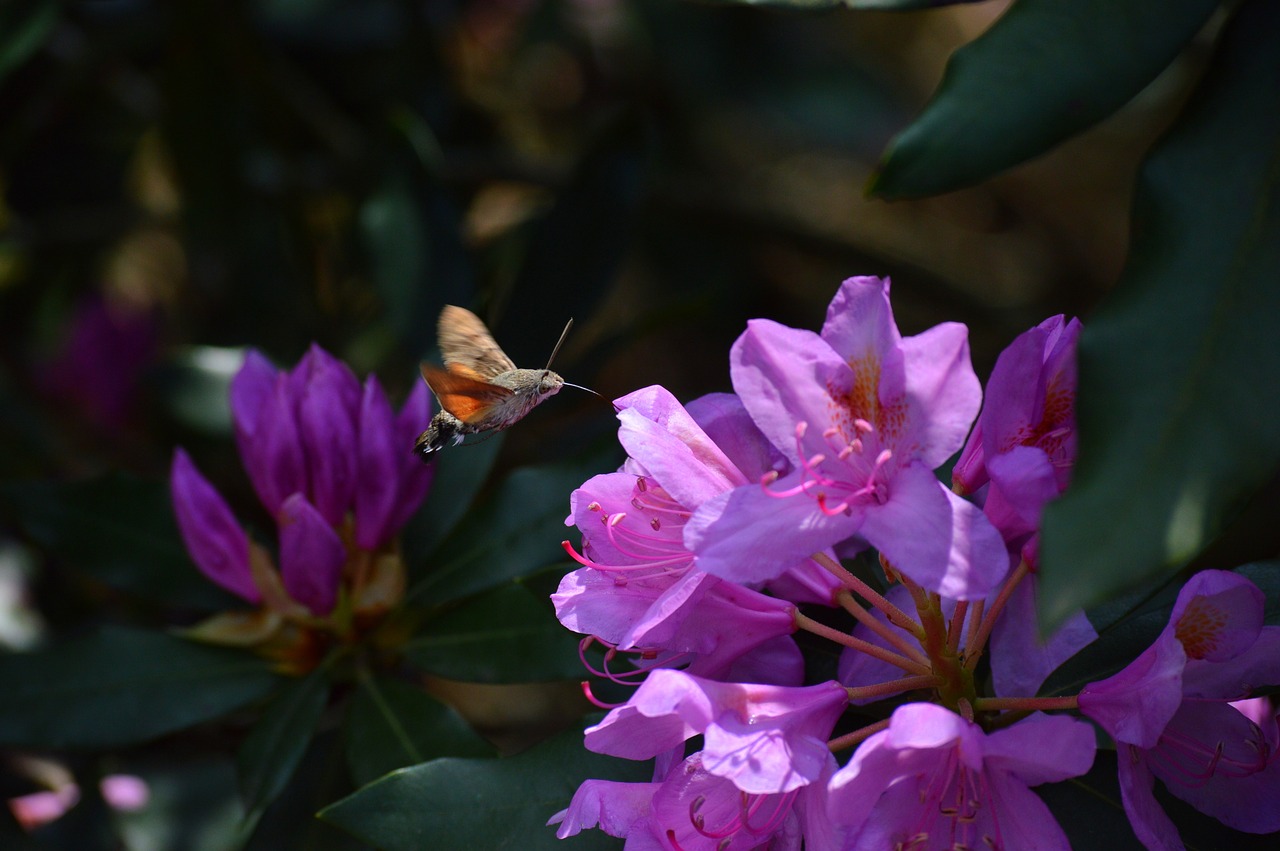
[888, 633]
[808, 624]
[896, 616]
[848, 740]
[1030, 704]
[892, 687]
[974, 651]
[957, 624]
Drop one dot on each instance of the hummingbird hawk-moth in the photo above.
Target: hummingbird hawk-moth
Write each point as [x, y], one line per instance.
[480, 388]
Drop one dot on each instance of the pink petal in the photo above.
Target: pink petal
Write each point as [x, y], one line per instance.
[936, 538]
[311, 556]
[217, 544]
[942, 392]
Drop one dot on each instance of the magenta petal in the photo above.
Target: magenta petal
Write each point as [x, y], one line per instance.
[936, 538]
[782, 376]
[250, 388]
[593, 603]
[1023, 482]
[1218, 615]
[272, 450]
[942, 392]
[1043, 749]
[1020, 658]
[1150, 823]
[617, 808]
[328, 431]
[725, 420]
[1135, 704]
[311, 556]
[217, 544]
[678, 455]
[860, 322]
[415, 477]
[746, 535]
[1235, 778]
[1239, 676]
[378, 467]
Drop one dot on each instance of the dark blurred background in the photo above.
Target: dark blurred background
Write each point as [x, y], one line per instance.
[181, 179]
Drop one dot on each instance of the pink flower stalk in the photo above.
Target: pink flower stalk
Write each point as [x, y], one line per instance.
[864, 416]
[1176, 713]
[936, 782]
[639, 584]
[328, 459]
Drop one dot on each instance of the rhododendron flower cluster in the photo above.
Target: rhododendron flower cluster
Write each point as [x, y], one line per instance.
[715, 544]
[328, 459]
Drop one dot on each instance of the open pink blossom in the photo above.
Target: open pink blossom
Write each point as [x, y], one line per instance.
[937, 782]
[1175, 713]
[639, 587]
[864, 416]
[687, 808]
[763, 738]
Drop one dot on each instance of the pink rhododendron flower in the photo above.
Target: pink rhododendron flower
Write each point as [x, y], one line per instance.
[763, 738]
[936, 782]
[639, 583]
[1172, 713]
[864, 416]
[1019, 458]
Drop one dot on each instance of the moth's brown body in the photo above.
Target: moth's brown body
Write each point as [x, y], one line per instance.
[479, 389]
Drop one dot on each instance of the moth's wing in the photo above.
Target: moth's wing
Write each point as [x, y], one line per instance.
[466, 343]
[465, 396]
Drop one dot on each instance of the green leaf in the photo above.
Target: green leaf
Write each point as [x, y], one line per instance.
[1044, 71]
[511, 535]
[1176, 410]
[393, 724]
[457, 479]
[503, 636]
[1089, 810]
[25, 25]
[119, 530]
[121, 686]
[272, 750]
[482, 803]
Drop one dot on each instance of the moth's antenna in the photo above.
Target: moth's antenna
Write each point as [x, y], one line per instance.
[556, 350]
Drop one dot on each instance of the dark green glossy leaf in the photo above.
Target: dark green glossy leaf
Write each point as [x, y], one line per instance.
[503, 636]
[118, 529]
[460, 473]
[393, 724]
[25, 25]
[1177, 418]
[410, 234]
[271, 752]
[121, 686]
[510, 535]
[1044, 71]
[1089, 810]
[493, 804]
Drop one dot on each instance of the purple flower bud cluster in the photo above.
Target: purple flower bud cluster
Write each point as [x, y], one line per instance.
[697, 555]
[330, 461]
